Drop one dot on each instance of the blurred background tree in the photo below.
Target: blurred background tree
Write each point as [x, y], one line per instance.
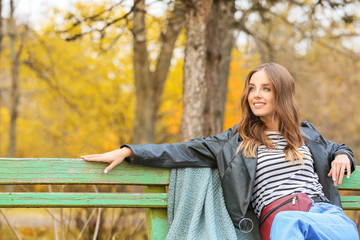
[99, 75]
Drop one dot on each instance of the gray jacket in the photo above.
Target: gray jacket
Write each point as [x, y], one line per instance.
[237, 172]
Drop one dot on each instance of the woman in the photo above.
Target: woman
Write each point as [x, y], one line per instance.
[269, 162]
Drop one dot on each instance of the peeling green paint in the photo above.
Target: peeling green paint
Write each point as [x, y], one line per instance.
[65, 171]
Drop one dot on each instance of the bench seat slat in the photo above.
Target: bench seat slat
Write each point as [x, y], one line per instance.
[350, 202]
[70, 200]
[76, 171]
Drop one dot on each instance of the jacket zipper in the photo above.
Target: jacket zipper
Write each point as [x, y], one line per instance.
[293, 200]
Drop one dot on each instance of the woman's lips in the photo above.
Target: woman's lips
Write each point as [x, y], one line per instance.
[259, 104]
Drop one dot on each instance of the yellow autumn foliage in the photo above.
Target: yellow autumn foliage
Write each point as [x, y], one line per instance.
[78, 97]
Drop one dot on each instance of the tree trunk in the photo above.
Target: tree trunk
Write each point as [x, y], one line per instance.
[144, 123]
[219, 42]
[208, 47]
[194, 87]
[176, 22]
[1, 28]
[14, 91]
[1, 38]
[149, 85]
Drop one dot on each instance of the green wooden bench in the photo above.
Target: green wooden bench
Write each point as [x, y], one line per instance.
[351, 201]
[31, 171]
[59, 171]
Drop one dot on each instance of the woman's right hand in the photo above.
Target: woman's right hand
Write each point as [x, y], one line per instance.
[114, 157]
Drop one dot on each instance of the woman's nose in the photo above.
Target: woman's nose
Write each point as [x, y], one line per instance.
[257, 94]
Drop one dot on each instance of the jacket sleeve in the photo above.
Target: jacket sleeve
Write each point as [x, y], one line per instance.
[199, 152]
[333, 149]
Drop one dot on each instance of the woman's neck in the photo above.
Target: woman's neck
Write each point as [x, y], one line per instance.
[274, 129]
[272, 124]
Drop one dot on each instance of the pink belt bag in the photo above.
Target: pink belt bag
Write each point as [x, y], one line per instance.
[295, 202]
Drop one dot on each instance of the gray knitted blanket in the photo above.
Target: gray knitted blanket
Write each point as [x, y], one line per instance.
[196, 207]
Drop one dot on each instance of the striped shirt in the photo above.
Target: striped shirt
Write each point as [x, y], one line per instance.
[276, 178]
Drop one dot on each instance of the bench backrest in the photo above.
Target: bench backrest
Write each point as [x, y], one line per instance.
[65, 171]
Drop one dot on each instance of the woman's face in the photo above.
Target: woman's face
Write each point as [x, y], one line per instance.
[261, 97]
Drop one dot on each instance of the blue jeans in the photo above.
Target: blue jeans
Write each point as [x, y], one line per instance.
[323, 221]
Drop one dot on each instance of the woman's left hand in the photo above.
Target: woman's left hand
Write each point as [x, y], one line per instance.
[338, 167]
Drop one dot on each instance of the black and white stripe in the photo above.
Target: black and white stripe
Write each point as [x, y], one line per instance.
[276, 178]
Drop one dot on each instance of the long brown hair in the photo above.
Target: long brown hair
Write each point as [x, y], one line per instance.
[252, 130]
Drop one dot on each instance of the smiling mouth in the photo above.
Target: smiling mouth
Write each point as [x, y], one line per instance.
[259, 104]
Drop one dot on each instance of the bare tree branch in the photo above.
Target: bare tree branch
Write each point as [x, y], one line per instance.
[266, 47]
[54, 222]
[47, 210]
[98, 219]
[68, 225]
[95, 18]
[318, 40]
[43, 73]
[86, 224]
[97, 226]
[10, 225]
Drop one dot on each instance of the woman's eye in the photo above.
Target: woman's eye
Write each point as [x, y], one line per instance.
[267, 89]
[251, 88]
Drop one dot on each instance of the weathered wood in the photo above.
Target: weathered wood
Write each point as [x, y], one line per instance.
[88, 200]
[156, 219]
[350, 202]
[65, 171]
[353, 183]
[76, 171]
